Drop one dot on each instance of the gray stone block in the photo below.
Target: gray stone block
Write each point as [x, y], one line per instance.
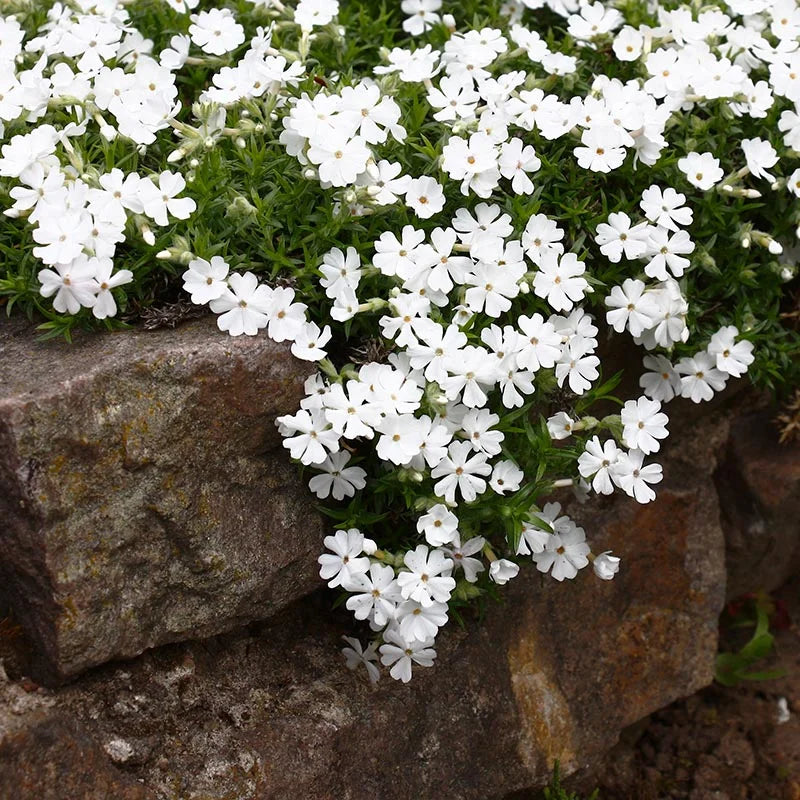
[144, 494]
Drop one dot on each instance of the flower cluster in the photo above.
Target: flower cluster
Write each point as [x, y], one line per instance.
[450, 209]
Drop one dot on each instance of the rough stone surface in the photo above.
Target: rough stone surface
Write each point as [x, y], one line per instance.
[144, 495]
[758, 481]
[46, 754]
[553, 671]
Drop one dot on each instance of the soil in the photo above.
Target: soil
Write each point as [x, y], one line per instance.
[724, 743]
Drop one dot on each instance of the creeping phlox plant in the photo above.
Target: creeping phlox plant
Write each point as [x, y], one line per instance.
[452, 218]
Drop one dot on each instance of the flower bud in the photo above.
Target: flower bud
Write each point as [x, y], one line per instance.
[369, 546]
[606, 566]
[502, 571]
[240, 208]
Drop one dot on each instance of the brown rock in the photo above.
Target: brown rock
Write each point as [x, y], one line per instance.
[758, 481]
[46, 754]
[554, 671]
[144, 494]
[53, 758]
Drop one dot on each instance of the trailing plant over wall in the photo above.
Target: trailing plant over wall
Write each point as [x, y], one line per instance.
[448, 210]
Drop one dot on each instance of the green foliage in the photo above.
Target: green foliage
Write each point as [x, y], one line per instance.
[733, 667]
[555, 791]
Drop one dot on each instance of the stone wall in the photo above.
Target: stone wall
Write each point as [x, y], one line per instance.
[143, 501]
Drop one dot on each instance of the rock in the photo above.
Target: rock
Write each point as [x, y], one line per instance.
[53, 758]
[145, 495]
[758, 481]
[46, 754]
[553, 671]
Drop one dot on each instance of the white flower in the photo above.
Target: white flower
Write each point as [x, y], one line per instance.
[701, 378]
[345, 560]
[340, 270]
[731, 357]
[760, 156]
[560, 281]
[578, 367]
[516, 160]
[701, 169]
[105, 306]
[473, 371]
[600, 152]
[506, 477]
[375, 593]
[399, 654]
[593, 19]
[565, 552]
[461, 469]
[473, 162]
[532, 539]
[425, 197]
[643, 424]
[428, 577]
[313, 438]
[667, 252]
[374, 115]
[440, 525]
[339, 158]
[62, 236]
[541, 237]
[488, 225]
[216, 31]
[493, 286]
[395, 256]
[73, 285]
[454, 99]
[606, 566]
[662, 382]
[159, 199]
[630, 306]
[665, 207]
[384, 182]
[633, 478]
[598, 460]
[476, 428]
[436, 344]
[560, 425]
[501, 571]
[204, 280]
[243, 305]
[619, 236]
[24, 151]
[349, 411]
[401, 438]
[628, 44]
[541, 345]
[355, 656]
[420, 623]
[286, 318]
[310, 341]
[462, 556]
[315, 13]
[337, 478]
